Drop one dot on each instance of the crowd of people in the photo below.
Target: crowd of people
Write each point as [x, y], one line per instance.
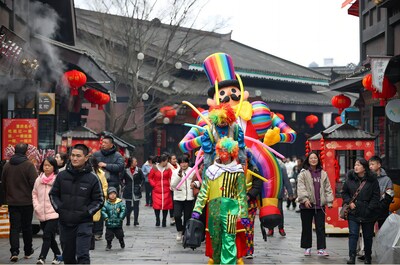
[78, 194]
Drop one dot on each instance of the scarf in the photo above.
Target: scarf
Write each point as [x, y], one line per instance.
[46, 180]
[217, 169]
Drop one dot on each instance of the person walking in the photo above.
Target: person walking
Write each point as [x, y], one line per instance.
[361, 192]
[97, 220]
[314, 193]
[175, 167]
[160, 178]
[183, 196]
[133, 181]
[44, 211]
[76, 196]
[147, 187]
[293, 183]
[288, 187]
[111, 161]
[62, 160]
[18, 178]
[114, 212]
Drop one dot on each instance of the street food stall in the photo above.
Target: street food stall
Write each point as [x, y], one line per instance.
[339, 146]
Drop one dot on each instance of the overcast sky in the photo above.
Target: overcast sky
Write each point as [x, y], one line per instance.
[298, 31]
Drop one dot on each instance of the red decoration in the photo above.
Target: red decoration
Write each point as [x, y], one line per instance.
[96, 97]
[307, 148]
[194, 113]
[338, 120]
[74, 79]
[341, 102]
[367, 82]
[168, 111]
[388, 91]
[311, 120]
[280, 116]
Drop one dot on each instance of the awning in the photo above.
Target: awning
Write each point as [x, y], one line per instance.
[354, 8]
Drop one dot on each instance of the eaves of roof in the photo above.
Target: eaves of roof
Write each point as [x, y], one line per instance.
[271, 76]
[343, 131]
[81, 132]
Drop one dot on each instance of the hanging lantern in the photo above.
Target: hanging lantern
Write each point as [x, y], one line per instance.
[341, 102]
[74, 79]
[280, 116]
[194, 113]
[367, 82]
[168, 111]
[311, 120]
[338, 120]
[322, 153]
[96, 97]
[307, 148]
[388, 91]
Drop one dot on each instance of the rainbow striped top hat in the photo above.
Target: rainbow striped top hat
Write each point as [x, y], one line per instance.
[219, 67]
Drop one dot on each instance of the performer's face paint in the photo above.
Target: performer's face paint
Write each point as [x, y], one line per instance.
[229, 95]
[224, 156]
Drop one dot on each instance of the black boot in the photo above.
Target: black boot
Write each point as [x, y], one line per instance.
[158, 222]
[122, 243]
[108, 247]
[367, 259]
[164, 223]
[351, 260]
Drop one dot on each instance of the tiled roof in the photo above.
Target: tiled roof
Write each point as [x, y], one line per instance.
[344, 131]
[81, 133]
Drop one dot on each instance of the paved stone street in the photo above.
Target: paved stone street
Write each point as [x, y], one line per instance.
[153, 245]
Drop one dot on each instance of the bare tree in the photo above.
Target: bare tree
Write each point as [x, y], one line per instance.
[142, 45]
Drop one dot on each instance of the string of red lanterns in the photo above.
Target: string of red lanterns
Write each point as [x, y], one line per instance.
[96, 97]
[388, 89]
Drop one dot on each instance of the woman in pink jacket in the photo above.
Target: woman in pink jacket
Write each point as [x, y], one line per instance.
[160, 178]
[44, 210]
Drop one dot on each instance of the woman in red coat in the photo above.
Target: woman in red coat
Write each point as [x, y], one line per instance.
[160, 178]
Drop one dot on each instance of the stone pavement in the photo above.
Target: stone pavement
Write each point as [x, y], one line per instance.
[147, 244]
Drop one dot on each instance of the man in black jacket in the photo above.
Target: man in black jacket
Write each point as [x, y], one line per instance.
[113, 164]
[18, 178]
[76, 196]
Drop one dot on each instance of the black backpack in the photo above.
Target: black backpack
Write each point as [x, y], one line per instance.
[193, 234]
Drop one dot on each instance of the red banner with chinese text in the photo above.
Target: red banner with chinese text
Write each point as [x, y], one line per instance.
[19, 131]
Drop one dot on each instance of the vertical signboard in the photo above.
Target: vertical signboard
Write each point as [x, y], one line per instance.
[16, 131]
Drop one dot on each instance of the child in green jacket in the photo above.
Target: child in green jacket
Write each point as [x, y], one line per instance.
[113, 213]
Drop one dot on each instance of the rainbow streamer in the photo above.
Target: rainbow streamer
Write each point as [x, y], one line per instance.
[288, 135]
[269, 168]
[261, 118]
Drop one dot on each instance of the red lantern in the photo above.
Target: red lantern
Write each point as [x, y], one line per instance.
[168, 112]
[194, 113]
[74, 79]
[388, 91]
[338, 120]
[311, 120]
[367, 82]
[280, 115]
[341, 102]
[307, 148]
[96, 97]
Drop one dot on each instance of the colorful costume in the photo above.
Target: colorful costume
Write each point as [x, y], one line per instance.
[225, 190]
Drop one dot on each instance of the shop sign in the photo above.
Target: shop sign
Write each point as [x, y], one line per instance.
[46, 103]
[19, 131]
[392, 110]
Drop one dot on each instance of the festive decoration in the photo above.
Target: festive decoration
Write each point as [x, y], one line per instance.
[367, 82]
[322, 153]
[96, 97]
[194, 113]
[280, 116]
[168, 112]
[338, 120]
[388, 91]
[74, 79]
[307, 148]
[311, 120]
[36, 156]
[341, 102]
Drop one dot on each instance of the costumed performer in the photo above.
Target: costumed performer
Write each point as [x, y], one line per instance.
[224, 189]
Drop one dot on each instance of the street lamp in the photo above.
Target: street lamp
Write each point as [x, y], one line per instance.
[178, 65]
[165, 83]
[145, 96]
[140, 56]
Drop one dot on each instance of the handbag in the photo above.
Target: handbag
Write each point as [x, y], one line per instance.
[344, 212]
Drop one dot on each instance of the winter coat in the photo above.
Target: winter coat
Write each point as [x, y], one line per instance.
[160, 179]
[184, 193]
[286, 183]
[256, 184]
[146, 170]
[115, 165]
[103, 181]
[41, 201]
[76, 195]
[305, 188]
[132, 184]
[385, 183]
[367, 201]
[113, 213]
[18, 178]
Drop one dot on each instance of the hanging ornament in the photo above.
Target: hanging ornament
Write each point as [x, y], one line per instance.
[74, 79]
[341, 102]
[311, 120]
[168, 111]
